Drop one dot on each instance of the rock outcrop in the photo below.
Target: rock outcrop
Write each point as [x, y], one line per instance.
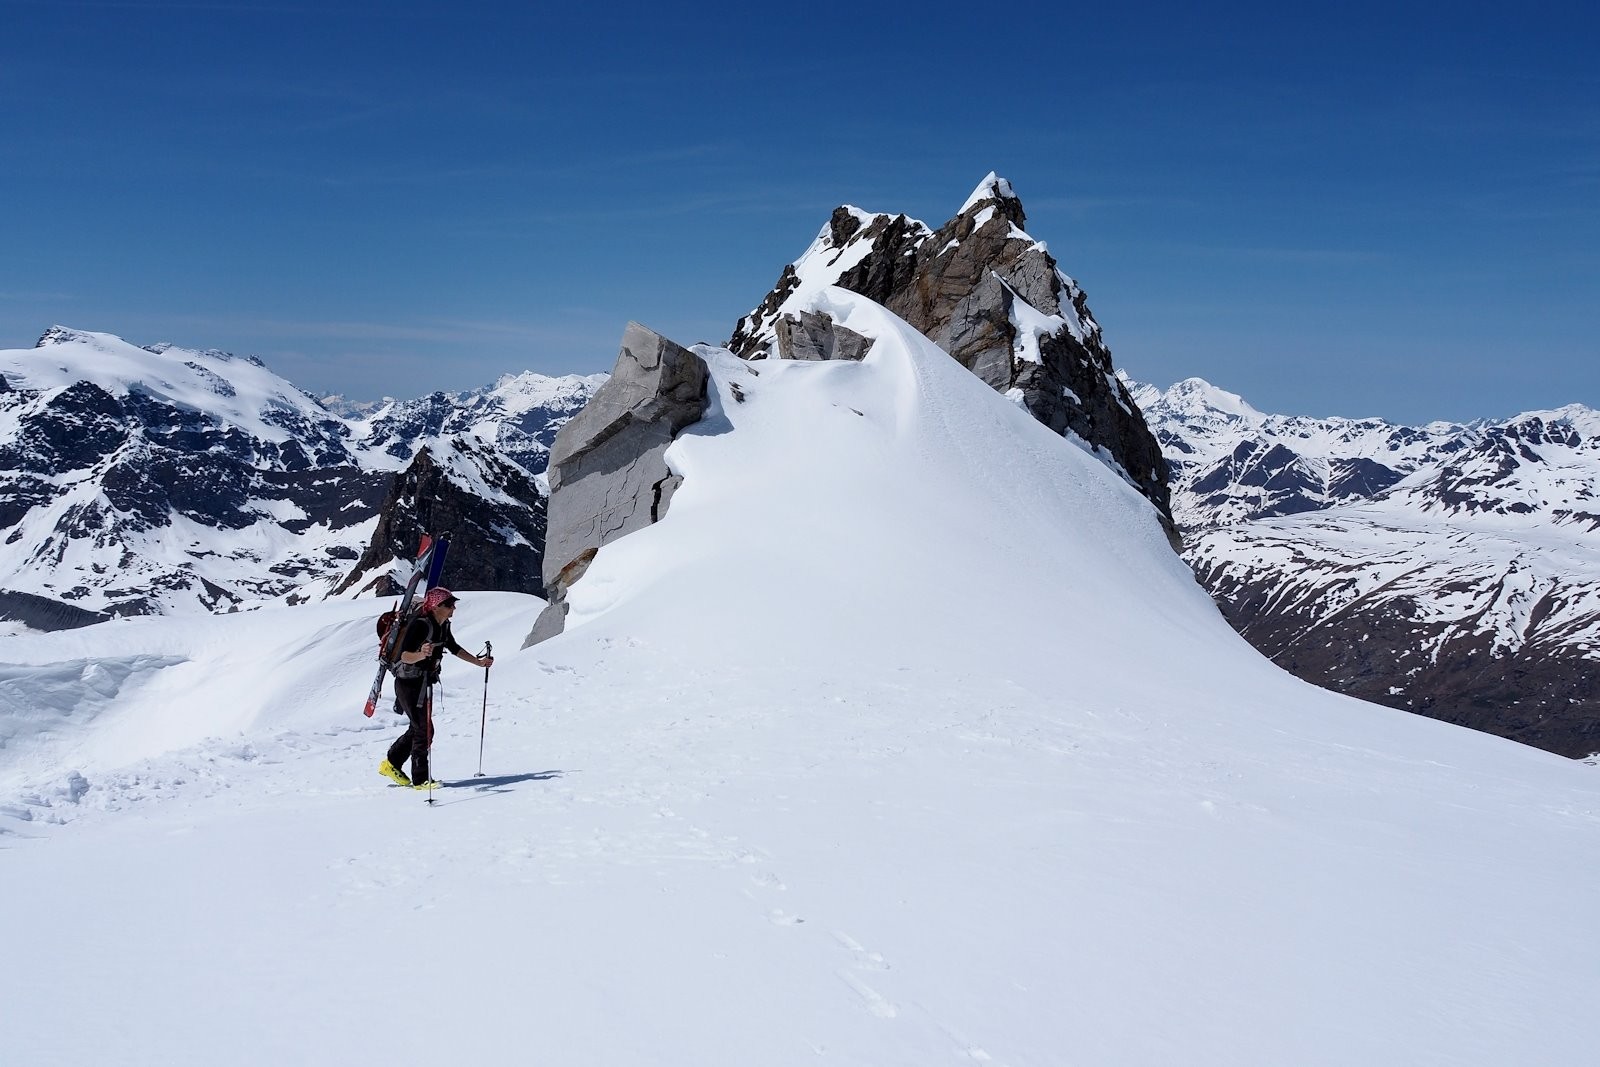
[41, 613]
[987, 293]
[979, 287]
[495, 528]
[608, 472]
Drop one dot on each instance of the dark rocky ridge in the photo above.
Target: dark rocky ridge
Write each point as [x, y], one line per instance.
[496, 542]
[41, 613]
[1390, 652]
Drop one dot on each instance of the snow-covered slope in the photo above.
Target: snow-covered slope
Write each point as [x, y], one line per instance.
[785, 792]
[1451, 570]
[158, 480]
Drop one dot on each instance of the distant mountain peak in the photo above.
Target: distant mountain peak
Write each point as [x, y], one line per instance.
[1197, 396]
[1585, 420]
[62, 335]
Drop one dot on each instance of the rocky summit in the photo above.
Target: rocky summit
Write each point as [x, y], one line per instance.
[987, 293]
[979, 287]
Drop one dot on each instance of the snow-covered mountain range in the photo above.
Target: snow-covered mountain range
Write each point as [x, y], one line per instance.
[160, 479]
[1448, 569]
[902, 738]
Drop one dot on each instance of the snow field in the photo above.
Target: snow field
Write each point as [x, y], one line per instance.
[902, 740]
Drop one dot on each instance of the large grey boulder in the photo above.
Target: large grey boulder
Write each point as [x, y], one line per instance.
[608, 470]
[815, 337]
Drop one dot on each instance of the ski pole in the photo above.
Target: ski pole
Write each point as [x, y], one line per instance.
[483, 722]
[432, 776]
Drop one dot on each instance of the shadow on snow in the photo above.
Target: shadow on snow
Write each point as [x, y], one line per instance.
[489, 786]
[483, 783]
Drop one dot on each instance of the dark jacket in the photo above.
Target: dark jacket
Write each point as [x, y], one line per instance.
[422, 630]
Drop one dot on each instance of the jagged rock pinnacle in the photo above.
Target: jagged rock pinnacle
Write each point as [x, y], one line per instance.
[995, 191]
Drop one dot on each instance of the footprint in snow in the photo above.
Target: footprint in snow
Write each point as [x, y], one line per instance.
[871, 999]
[868, 961]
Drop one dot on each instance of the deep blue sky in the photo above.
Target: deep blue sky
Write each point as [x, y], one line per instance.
[1356, 209]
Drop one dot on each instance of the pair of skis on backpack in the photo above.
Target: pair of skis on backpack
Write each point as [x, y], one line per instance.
[392, 624]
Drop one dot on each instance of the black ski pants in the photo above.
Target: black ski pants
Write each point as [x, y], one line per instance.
[413, 697]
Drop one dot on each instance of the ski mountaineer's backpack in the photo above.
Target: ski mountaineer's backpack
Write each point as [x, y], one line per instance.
[386, 622]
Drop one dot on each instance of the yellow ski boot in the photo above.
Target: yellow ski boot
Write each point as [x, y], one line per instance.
[393, 773]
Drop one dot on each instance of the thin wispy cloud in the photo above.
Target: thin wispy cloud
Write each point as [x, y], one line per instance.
[456, 333]
[1268, 254]
[355, 176]
[618, 211]
[35, 298]
[218, 6]
[1088, 206]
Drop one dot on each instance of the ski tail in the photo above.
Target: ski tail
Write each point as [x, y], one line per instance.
[441, 547]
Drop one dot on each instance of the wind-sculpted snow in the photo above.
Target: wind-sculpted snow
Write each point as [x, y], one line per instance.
[902, 738]
[161, 480]
[1450, 570]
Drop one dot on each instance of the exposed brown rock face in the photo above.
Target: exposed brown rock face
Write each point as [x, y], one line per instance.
[986, 292]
